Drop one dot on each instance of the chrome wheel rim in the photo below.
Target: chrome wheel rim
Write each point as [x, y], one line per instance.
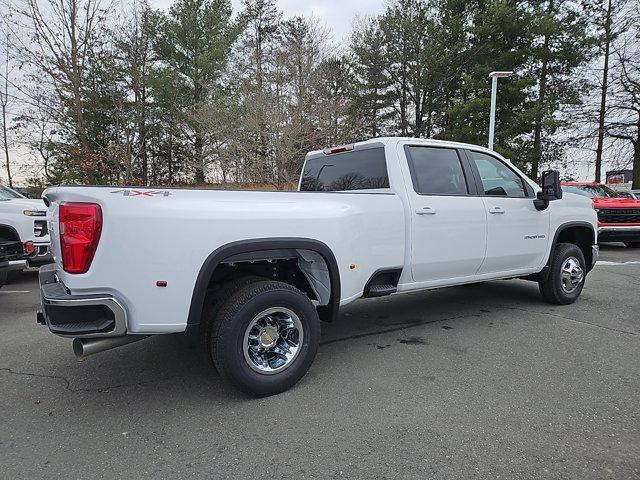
[571, 274]
[273, 340]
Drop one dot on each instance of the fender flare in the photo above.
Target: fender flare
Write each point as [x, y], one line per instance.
[327, 312]
[561, 228]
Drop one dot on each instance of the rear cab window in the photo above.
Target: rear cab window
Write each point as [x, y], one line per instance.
[358, 169]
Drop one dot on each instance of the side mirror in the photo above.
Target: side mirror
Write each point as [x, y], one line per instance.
[551, 189]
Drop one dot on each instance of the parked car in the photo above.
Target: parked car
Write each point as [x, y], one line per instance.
[25, 220]
[12, 257]
[255, 272]
[618, 217]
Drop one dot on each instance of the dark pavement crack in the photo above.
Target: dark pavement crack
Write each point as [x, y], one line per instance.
[38, 375]
[67, 383]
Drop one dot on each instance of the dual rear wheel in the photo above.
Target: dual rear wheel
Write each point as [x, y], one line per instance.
[262, 335]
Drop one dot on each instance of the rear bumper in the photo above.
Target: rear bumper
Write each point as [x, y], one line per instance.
[13, 265]
[619, 233]
[78, 316]
[41, 256]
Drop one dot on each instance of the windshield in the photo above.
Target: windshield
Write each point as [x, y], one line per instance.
[592, 191]
[7, 194]
[625, 194]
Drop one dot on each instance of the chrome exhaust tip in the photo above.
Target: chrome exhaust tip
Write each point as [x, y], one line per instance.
[83, 347]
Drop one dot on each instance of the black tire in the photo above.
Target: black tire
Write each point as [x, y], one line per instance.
[632, 244]
[227, 336]
[212, 304]
[552, 289]
[3, 278]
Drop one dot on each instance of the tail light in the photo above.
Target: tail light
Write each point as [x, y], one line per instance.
[29, 247]
[80, 228]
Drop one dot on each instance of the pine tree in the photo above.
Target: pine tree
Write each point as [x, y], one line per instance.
[498, 38]
[560, 48]
[371, 94]
[193, 40]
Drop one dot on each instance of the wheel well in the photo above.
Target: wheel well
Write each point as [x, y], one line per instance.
[284, 270]
[582, 236]
[9, 233]
[307, 264]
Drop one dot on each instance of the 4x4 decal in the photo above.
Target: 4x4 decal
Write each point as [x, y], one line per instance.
[143, 193]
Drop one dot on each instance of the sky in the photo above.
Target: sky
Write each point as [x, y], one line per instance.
[338, 15]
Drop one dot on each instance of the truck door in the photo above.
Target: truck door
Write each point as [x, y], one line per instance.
[448, 222]
[518, 234]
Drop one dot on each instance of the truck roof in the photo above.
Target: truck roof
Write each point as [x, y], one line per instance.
[424, 141]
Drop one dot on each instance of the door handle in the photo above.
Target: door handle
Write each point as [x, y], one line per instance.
[426, 211]
[495, 210]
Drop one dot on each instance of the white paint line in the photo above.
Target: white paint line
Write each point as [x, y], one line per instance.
[15, 291]
[603, 262]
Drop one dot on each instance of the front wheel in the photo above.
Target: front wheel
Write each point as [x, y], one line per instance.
[632, 244]
[566, 275]
[264, 337]
[3, 278]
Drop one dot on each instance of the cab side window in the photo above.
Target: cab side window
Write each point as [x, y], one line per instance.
[436, 171]
[497, 178]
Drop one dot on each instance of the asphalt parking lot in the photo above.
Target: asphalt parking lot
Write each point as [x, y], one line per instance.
[470, 382]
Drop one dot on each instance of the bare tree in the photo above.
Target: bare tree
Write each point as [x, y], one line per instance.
[5, 97]
[625, 101]
[63, 34]
[134, 53]
[607, 39]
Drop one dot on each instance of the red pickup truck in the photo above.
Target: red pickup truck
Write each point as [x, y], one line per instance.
[618, 217]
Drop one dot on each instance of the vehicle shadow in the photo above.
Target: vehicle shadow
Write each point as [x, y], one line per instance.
[180, 362]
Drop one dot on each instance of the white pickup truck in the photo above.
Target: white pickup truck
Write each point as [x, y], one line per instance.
[24, 220]
[255, 272]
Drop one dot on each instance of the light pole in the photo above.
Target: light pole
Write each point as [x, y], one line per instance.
[494, 91]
